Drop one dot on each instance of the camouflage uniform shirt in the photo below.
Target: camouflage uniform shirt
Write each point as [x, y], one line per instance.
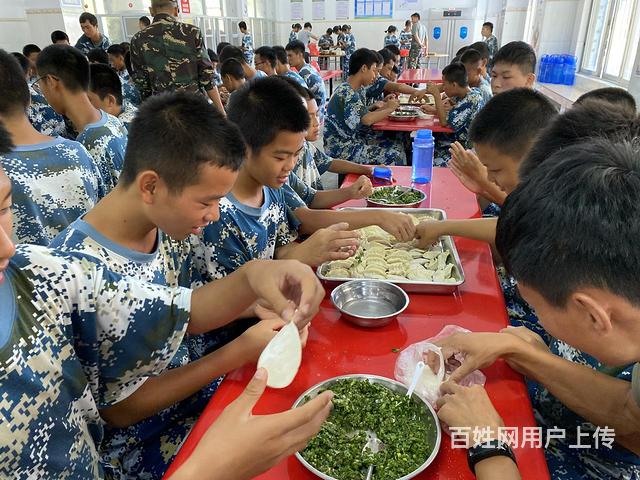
[62, 359]
[54, 183]
[85, 44]
[168, 56]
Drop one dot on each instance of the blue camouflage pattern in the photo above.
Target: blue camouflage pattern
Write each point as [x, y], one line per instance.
[311, 164]
[61, 359]
[43, 117]
[295, 76]
[459, 119]
[147, 448]
[85, 44]
[315, 83]
[391, 40]
[106, 141]
[244, 233]
[346, 137]
[247, 48]
[54, 183]
[350, 47]
[127, 115]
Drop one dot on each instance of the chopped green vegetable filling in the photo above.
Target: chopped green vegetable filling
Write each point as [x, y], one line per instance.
[396, 196]
[407, 432]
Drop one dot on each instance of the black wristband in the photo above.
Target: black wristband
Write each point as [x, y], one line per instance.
[492, 448]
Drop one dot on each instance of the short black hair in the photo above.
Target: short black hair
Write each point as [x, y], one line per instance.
[281, 54]
[337, 29]
[386, 56]
[295, 46]
[242, 25]
[519, 54]
[307, 25]
[58, 35]
[488, 24]
[126, 46]
[30, 48]
[362, 57]
[213, 56]
[510, 122]
[393, 49]
[233, 68]
[592, 119]
[116, 49]
[575, 222]
[267, 54]
[329, 31]
[407, 23]
[13, 85]
[67, 63]
[613, 95]
[174, 134]
[88, 17]
[127, 62]
[24, 62]
[105, 81]
[482, 48]
[265, 108]
[221, 46]
[304, 92]
[346, 27]
[144, 20]
[461, 51]
[297, 25]
[416, 14]
[391, 28]
[456, 73]
[6, 143]
[470, 56]
[97, 55]
[231, 51]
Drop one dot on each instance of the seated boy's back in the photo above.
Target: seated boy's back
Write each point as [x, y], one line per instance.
[54, 179]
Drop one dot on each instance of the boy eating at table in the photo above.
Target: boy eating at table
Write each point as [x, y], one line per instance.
[472, 61]
[262, 216]
[295, 54]
[153, 421]
[347, 131]
[383, 86]
[466, 105]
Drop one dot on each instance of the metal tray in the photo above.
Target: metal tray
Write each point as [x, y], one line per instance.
[403, 118]
[411, 286]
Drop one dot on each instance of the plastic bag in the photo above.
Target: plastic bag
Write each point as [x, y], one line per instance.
[428, 386]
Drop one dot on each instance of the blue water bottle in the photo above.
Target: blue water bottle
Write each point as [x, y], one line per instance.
[544, 69]
[422, 157]
[558, 70]
[569, 73]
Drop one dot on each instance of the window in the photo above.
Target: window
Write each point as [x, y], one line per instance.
[612, 39]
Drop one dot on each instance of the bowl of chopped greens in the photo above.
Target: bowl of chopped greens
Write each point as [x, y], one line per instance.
[407, 429]
[397, 196]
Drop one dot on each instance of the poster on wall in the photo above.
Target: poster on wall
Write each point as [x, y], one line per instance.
[297, 9]
[373, 8]
[342, 9]
[185, 6]
[318, 10]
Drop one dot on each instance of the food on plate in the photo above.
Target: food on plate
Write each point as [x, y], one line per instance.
[381, 257]
[396, 195]
[360, 407]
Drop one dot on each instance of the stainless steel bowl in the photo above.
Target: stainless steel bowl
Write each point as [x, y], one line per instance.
[429, 416]
[375, 203]
[369, 303]
[408, 117]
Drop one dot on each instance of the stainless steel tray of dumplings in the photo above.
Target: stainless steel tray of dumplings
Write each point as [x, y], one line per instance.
[412, 286]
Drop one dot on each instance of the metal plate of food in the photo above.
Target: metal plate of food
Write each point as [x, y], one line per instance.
[337, 451]
[404, 99]
[437, 270]
[401, 116]
[396, 196]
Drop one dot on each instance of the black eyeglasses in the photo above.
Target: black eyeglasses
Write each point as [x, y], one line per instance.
[44, 76]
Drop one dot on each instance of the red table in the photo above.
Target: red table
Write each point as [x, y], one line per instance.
[330, 75]
[336, 347]
[417, 124]
[421, 75]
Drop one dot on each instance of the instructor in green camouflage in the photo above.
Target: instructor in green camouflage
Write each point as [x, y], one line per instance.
[169, 55]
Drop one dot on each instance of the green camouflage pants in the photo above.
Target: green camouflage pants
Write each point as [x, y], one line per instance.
[415, 54]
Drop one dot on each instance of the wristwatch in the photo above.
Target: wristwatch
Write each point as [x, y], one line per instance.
[489, 449]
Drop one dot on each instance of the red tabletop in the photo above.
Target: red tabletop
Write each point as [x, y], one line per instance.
[327, 74]
[421, 75]
[336, 347]
[417, 124]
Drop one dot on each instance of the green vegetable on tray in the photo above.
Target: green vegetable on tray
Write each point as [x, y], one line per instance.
[405, 429]
[395, 196]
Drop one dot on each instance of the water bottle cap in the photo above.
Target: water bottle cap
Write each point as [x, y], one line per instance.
[424, 134]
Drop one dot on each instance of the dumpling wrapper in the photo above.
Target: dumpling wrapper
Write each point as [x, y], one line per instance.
[282, 357]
